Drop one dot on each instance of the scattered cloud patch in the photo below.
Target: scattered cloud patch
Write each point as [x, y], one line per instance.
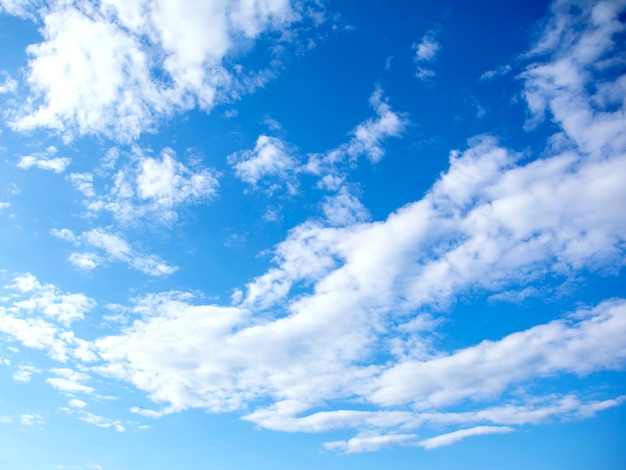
[426, 50]
[24, 373]
[499, 71]
[32, 419]
[111, 247]
[146, 186]
[272, 161]
[44, 161]
[9, 85]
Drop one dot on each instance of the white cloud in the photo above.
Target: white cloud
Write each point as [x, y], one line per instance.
[64, 234]
[44, 161]
[4, 205]
[117, 69]
[9, 85]
[32, 419]
[424, 73]
[111, 247]
[83, 182]
[426, 50]
[491, 223]
[57, 165]
[76, 403]
[275, 163]
[39, 315]
[146, 413]
[272, 159]
[102, 421]
[344, 209]
[370, 443]
[70, 381]
[21, 8]
[452, 437]
[565, 80]
[47, 299]
[24, 373]
[148, 186]
[496, 72]
[86, 261]
[367, 139]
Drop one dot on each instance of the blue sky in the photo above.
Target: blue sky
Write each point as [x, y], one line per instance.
[314, 234]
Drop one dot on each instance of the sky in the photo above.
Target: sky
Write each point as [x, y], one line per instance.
[312, 234]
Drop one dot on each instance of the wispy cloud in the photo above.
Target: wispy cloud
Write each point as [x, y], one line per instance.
[452, 437]
[111, 247]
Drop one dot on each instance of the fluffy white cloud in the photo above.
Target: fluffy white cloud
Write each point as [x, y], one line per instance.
[47, 299]
[39, 315]
[147, 186]
[76, 403]
[115, 68]
[490, 223]
[272, 159]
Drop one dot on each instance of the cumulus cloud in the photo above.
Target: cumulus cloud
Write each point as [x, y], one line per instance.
[368, 293]
[116, 69]
[272, 159]
[39, 316]
[144, 186]
[491, 223]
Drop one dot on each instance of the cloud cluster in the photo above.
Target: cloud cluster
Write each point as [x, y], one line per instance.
[145, 186]
[115, 68]
[40, 317]
[346, 313]
[491, 222]
[274, 163]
